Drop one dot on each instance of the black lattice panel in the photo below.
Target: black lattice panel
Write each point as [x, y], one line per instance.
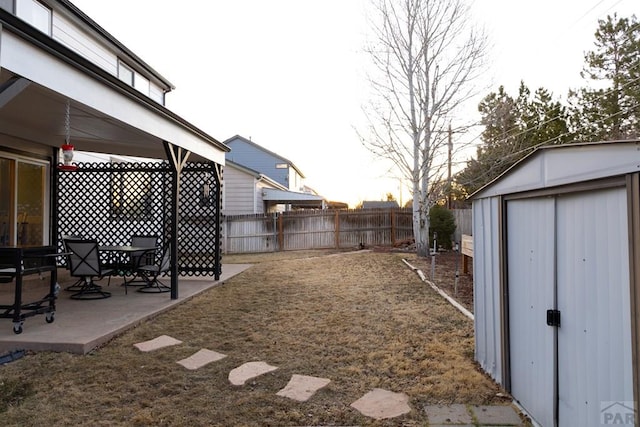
[199, 226]
[113, 201]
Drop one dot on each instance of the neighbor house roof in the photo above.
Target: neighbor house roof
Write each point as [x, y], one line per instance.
[260, 147]
[385, 204]
[257, 175]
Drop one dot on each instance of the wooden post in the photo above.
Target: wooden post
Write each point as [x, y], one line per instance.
[337, 229]
[280, 232]
[467, 252]
[393, 227]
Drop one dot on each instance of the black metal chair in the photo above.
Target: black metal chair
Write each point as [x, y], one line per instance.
[139, 259]
[78, 284]
[84, 260]
[150, 274]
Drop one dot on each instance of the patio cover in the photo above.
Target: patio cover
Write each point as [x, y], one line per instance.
[38, 75]
[292, 198]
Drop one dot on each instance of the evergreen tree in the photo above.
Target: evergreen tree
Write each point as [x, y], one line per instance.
[609, 108]
[513, 128]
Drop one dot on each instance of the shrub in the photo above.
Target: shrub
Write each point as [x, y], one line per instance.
[442, 222]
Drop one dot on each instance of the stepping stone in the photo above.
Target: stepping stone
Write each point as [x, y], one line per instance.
[201, 358]
[496, 414]
[241, 374]
[302, 387]
[381, 404]
[448, 414]
[156, 343]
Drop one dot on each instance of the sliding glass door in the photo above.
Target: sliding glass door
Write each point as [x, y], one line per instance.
[23, 202]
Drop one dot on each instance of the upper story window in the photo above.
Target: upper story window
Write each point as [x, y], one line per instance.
[125, 73]
[282, 165]
[138, 81]
[35, 13]
[141, 83]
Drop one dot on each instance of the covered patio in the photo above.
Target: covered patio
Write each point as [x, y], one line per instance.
[53, 95]
[81, 326]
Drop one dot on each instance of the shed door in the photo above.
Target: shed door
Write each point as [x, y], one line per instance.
[530, 252]
[594, 339]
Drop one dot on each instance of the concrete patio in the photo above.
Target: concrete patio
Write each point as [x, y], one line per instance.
[81, 326]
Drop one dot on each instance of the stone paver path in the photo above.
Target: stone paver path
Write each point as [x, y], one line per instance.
[492, 415]
[381, 404]
[470, 415]
[157, 343]
[448, 414]
[302, 387]
[201, 358]
[243, 373]
[378, 403]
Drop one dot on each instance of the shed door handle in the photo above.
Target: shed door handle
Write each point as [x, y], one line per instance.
[553, 318]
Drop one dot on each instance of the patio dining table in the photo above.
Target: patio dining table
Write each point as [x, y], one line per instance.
[120, 257]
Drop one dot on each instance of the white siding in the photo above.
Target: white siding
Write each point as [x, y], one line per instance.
[156, 93]
[486, 287]
[239, 192]
[67, 33]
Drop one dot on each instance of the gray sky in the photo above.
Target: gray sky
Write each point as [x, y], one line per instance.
[291, 74]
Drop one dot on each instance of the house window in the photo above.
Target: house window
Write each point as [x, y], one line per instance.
[141, 83]
[125, 73]
[282, 165]
[131, 196]
[35, 13]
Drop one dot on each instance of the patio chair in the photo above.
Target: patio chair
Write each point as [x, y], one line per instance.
[84, 263]
[78, 284]
[139, 259]
[150, 274]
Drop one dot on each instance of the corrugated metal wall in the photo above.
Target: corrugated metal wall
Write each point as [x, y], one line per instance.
[531, 283]
[486, 286]
[594, 340]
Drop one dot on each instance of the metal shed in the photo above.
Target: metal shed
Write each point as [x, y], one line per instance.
[557, 282]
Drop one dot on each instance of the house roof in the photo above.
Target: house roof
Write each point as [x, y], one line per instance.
[556, 165]
[86, 20]
[257, 175]
[381, 204]
[292, 198]
[230, 141]
[106, 114]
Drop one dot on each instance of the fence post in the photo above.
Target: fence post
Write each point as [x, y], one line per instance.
[393, 227]
[280, 232]
[337, 229]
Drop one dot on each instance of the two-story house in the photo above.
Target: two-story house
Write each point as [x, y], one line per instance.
[66, 80]
[258, 180]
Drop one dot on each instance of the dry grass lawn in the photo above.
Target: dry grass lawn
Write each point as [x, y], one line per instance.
[363, 320]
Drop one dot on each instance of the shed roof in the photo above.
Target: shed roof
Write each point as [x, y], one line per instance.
[555, 165]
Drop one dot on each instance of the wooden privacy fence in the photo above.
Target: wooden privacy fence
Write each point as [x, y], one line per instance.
[315, 230]
[324, 229]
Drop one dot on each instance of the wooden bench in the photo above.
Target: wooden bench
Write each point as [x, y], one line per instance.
[467, 252]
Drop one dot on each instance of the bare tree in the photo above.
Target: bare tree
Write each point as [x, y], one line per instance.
[425, 56]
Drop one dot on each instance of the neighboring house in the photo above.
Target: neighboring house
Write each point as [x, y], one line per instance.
[386, 204]
[63, 76]
[247, 153]
[243, 190]
[556, 274]
[257, 180]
